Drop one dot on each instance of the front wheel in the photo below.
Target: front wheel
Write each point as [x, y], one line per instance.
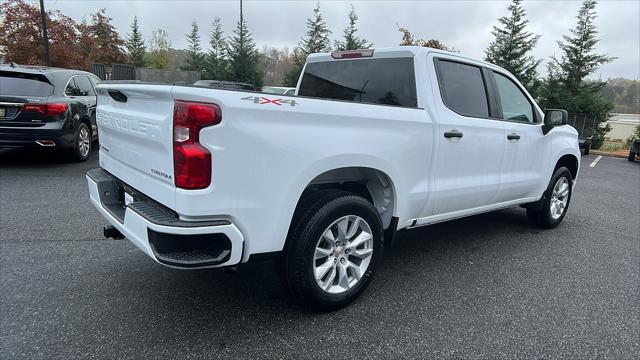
[556, 202]
[333, 249]
[632, 155]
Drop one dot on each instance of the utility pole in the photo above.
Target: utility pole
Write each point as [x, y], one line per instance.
[45, 36]
[241, 44]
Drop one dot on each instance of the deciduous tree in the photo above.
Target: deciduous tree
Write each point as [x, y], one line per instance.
[108, 46]
[159, 56]
[409, 40]
[21, 36]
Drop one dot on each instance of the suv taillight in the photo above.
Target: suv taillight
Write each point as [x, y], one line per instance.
[50, 109]
[191, 161]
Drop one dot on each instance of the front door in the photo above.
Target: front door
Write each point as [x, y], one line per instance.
[526, 145]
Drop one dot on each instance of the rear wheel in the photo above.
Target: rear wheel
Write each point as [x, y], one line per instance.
[556, 203]
[632, 155]
[586, 149]
[82, 143]
[332, 250]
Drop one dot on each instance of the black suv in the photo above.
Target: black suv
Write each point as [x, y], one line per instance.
[48, 107]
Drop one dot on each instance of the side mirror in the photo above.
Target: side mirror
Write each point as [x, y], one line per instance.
[556, 117]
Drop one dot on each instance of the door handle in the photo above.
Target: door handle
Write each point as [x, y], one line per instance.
[452, 134]
[513, 136]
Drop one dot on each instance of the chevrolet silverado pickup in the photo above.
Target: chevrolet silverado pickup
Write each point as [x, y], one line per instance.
[372, 142]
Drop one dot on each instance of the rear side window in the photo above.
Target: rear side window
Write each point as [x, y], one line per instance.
[85, 87]
[72, 89]
[375, 81]
[515, 105]
[462, 87]
[12, 84]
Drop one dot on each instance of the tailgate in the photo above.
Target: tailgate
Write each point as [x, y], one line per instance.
[135, 125]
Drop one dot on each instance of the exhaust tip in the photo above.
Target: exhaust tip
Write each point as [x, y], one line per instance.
[46, 143]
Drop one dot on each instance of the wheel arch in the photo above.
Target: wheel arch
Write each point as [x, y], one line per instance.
[569, 161]
[373, 184]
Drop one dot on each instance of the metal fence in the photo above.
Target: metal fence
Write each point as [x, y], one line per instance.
[584, 123]
[123, 72]
[130, 72]
[100, 70]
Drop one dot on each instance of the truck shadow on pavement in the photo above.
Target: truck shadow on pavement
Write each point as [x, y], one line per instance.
[256, 294]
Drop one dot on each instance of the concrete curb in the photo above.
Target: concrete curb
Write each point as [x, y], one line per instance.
[604, 153]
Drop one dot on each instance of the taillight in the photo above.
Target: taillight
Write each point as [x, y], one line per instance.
[191, 161]
[50, 109]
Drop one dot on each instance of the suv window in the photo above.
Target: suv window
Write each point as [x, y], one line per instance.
[463, 89]
[72, 89]
[376, 81]
[23, 85]
[86, 89]
[515, 105]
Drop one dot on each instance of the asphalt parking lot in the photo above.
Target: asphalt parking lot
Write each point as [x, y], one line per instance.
[488, 286]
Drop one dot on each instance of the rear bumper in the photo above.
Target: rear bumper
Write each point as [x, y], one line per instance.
[159, 233]
[28, 136]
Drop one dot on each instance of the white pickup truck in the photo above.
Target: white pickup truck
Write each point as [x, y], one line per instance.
[374, 141]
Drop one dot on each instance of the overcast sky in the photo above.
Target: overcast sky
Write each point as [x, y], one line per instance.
[464, 25]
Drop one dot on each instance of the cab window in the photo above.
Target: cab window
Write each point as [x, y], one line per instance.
[515, 104]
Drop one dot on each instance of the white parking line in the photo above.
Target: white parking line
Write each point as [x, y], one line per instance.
[595, 161]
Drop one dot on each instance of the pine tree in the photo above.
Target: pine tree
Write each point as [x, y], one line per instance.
[216, 61]
[578, 58]
[565, 86]
[351, 40]
[316, 40]
[243, 57]
[195, 57]
[135, 45]
[512, 46]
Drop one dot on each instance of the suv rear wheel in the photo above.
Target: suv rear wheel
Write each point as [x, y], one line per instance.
[333, 249]
[82, 144]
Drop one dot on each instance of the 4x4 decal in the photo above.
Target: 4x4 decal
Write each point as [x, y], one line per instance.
[261, 100]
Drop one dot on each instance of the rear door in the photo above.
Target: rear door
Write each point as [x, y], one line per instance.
[471, 138]
[87, 96]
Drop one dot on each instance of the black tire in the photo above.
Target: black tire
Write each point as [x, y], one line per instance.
[81, 148]
[542, 218]
[632, 156]
[314, 215]
[586, 150]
